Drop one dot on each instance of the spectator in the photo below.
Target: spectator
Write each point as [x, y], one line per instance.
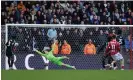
[3, 17]
[52, 35]
[102, 38]
[27, 40]
[127, 43]
[81, 42]
[37, 7]
[32, 14]
[123, 18]
[90, 48]
[20, 39]
[63, 21]
[39, 40]
[103, 17]
[90, 36]
[39, 17]
[75, 40]
[66, 48]
[56, 47]
[108, 21]
[21, 6]
[67, 35]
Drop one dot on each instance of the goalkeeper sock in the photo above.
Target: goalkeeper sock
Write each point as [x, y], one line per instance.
[69, 66]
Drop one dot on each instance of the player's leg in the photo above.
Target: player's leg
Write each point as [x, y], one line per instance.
[66, 65]
[115, 58]
[120, 57]
[12, 61]
[9, 64]
[63, 57]
[69, 66]
[122, 64]
[110, 60]
[103, 61]
[121, 61]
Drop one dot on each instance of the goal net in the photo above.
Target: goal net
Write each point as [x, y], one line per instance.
[39, 36]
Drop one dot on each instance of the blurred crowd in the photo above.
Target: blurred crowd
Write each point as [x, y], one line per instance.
[67, 12]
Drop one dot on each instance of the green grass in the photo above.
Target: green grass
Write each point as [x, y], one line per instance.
[67, 75]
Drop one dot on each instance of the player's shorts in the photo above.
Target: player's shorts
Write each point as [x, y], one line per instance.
[58, 61]
[117, 57]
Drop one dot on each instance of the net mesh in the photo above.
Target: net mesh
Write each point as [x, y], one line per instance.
[76, 37]
[39, 37]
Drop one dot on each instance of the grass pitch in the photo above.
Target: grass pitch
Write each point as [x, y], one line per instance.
[67, 75]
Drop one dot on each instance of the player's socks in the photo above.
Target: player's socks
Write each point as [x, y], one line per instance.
[122, 67]
[69, 66]
[122, 64]
[73, 67]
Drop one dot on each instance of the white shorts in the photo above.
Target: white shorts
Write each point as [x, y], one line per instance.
[117, 57]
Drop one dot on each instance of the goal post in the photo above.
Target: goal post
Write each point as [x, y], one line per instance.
[59, 27]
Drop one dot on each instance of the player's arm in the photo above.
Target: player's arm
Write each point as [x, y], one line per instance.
[6, 43]
[39, 52]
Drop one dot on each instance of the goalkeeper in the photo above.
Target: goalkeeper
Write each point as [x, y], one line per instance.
[47, 53]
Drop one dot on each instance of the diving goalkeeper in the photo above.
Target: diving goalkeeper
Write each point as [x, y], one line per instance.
[47, 53]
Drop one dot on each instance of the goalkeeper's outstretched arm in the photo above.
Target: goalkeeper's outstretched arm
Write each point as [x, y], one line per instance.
[39, 52]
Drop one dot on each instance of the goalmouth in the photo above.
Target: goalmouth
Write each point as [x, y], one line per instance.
[69, 27]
